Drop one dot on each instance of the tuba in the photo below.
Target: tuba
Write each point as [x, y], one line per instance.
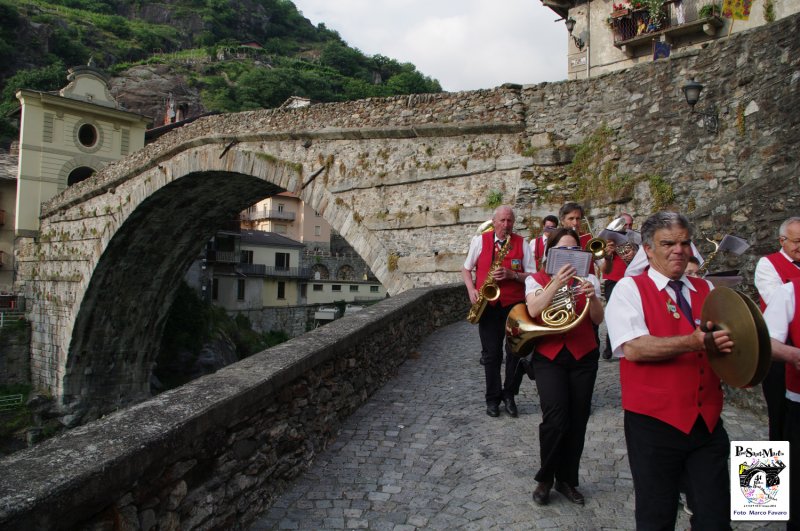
[559, 317]
[489, 290]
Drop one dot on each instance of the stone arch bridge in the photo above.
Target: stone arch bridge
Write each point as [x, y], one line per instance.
[405, 181]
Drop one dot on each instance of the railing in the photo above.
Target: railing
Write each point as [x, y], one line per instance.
[10, 402]
[268, 214]
[228, 257]
[292, 272]
[633, 23]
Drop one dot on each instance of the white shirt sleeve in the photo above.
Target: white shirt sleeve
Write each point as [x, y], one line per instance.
[528, 265]
[780, 312]
[625, 315]
[766, 279]
[531, 285]
[475, 247]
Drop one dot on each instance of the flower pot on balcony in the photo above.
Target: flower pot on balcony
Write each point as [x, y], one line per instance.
[620, 13]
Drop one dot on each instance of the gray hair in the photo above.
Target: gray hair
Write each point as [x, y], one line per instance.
[663, 220]
[501, 208]
[785, 225]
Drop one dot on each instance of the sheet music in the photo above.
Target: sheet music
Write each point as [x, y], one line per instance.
[557, 257]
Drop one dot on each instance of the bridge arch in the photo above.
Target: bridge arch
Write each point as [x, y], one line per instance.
[113, 249]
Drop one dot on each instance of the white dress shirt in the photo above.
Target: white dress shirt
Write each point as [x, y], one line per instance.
[778, 316]
[625, 313]
[476, 246]
[767, 279]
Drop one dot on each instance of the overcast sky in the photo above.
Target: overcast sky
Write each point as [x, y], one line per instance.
[465, 44]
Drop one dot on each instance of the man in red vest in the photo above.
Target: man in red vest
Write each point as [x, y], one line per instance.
[783, 320]
[671, 397]
[510, 277]
[570, 215]
[772, 271]
[549, 224]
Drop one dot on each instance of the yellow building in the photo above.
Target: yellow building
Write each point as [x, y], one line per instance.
[287, 215]
[253, 269]
[66, 137]
[8, 193]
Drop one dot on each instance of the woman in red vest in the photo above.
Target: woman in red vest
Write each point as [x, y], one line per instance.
[568, 365]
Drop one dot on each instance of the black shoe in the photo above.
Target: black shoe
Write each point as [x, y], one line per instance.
[511, 406]
[570, 492]
[493, 410]
[541, 494]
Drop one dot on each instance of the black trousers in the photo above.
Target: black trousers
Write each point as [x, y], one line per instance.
[774, 389]
[660, 455]
[565, 388]
[492, 331]
[791, 433]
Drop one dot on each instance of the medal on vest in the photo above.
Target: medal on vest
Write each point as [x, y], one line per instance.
[673, 310]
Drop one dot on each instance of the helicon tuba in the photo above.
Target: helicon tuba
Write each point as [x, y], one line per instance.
[489, 290]
[559, 317]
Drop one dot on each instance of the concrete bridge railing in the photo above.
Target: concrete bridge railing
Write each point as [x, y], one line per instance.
[215, 452]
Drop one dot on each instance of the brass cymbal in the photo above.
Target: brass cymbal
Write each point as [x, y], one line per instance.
[729, 310]
[764, 343]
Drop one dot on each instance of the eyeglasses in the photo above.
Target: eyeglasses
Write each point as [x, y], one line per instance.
[549, 229]
[795, 242]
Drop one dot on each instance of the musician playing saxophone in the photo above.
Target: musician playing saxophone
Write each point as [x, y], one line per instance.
[510, 277]
[566, 366]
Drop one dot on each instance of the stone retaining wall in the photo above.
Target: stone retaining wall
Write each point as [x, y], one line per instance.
[15, 358]
[214, 453]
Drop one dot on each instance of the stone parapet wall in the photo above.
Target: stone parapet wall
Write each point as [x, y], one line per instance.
[215, 452]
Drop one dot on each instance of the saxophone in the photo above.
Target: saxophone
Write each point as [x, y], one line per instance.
[489, 291]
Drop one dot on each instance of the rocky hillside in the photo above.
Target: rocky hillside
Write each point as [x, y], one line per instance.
[192, 49]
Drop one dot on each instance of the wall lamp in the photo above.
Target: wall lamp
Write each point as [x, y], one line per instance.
[570, 22]
[692, 91]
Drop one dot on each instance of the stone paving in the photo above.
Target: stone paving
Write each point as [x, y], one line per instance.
[422, 454]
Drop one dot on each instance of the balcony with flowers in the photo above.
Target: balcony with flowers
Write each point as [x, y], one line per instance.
[637, 23]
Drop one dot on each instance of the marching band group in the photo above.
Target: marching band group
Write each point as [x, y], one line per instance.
[671, 396]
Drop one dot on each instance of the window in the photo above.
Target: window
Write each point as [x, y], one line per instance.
[281, 290]
[317, 287]
[282, 261]
[215, 289]
[87, 135]
[336, 287]
[316, 214]
[280, 207]
[247, 257]
[240, 289]
[317, 230]
[280, 228]
[374, 289]
[354, 287]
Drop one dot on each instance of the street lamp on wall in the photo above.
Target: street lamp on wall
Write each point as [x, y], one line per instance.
[570, 22]
[692, 90]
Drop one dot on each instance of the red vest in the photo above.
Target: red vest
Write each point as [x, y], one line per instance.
[538, 251]
[579, 341]
[786, 271]
[618, 267]
[511, 291]
[674, 391]
[792, 374]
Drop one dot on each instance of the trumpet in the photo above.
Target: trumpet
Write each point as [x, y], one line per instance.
[596, 246]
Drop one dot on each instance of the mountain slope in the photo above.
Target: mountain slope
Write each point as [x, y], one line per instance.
[193, 50]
